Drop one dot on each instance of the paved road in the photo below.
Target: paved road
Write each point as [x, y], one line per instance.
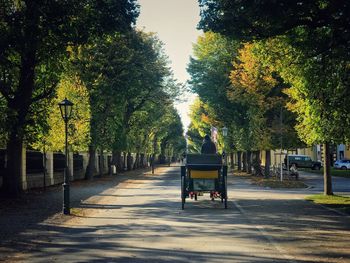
[341, 185]
[140, 220]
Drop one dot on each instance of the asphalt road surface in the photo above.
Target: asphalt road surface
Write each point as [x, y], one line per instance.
[340, 185]
[140, 220]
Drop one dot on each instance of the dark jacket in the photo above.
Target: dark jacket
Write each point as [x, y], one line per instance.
[208, 147]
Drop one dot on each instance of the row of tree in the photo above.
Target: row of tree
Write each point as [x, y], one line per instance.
[275, 73]
[88, 51]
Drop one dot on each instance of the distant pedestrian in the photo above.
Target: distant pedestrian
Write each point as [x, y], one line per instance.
[208, 147]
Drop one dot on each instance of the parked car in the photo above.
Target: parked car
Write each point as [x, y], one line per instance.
[342, 164]
[302, 161]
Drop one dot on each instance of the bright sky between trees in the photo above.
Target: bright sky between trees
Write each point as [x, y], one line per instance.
[175, 23]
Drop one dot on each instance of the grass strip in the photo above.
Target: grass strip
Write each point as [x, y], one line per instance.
[341, 203]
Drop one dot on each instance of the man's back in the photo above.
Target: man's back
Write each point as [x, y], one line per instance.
[208, 147]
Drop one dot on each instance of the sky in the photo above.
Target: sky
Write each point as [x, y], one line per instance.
[175, 23]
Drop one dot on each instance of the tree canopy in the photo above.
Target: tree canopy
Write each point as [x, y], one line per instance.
[117, 77]
[306, 43]
[239, 91]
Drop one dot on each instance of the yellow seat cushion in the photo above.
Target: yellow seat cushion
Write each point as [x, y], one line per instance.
[204, 174]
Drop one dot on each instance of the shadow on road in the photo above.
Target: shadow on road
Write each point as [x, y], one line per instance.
[249, 220]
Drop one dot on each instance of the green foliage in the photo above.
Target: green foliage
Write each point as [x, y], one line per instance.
[209, 70]
[239, 91]
[201, 122]
[53, 137]
[33, 46]
[194, 139]
[319, 91]
[321, 25]
[130, 87]
[311, 55]
[257, 86]
[35, 34]
[309, 47]
[200, 117]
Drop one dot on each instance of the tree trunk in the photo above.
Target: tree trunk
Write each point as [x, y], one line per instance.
[101, 163]
[124, 161]
[91, 168]
[137, 162]
[129, 161]
[256, 163]
[239, 160]
[326, 171]
[117, 160]
[257, 157]
[153, 159]
[232, 161]
[17, 111]
[244, 168]
[143, 162]
[249, 162]
[267, 163]
[12, 183]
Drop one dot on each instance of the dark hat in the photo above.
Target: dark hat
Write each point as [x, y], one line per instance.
[207, 137]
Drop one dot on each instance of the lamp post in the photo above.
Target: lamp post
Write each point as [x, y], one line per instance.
[224, 134]
[66, 111]
[224, 131]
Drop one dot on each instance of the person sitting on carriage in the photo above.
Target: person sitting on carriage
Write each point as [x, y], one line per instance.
[208, 146]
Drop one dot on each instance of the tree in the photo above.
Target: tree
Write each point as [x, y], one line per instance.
[261, 90]
[35, 35]
[210, 69]
[321, 101]
[172, 142]
[199, 126]
[125, 74]
[52, 137]
[149, 125]
[313, 35]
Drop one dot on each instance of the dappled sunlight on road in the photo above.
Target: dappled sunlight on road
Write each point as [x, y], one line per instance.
[140, 220]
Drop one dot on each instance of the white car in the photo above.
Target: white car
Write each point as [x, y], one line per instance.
[342, 164]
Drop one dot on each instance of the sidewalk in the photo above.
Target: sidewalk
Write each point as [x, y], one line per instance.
[35, 207]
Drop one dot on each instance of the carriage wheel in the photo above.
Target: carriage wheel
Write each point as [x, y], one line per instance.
[183, 192]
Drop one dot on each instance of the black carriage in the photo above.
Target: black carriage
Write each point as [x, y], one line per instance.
[204, 173]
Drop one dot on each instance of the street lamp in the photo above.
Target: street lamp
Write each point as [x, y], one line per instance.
[224, 131]
[66, 111]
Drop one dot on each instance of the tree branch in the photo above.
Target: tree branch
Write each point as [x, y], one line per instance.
[45, 94]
